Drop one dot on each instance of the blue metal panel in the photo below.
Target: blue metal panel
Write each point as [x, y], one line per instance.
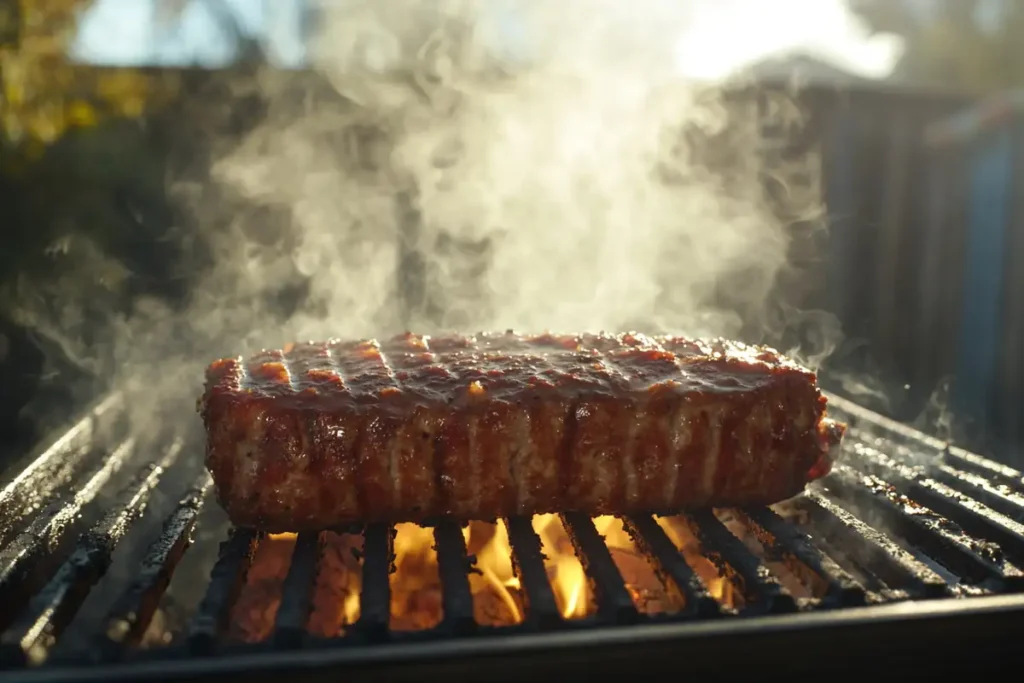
[934, 232]
[839, 198]
[988, 216]
[1011, 395]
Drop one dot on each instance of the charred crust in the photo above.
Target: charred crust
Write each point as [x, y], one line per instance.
[545, 378]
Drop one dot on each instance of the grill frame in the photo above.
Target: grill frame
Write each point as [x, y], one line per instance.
[618, 636]
[915, 638]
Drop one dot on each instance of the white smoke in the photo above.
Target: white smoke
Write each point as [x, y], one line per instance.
[472, 164]
[567, 176]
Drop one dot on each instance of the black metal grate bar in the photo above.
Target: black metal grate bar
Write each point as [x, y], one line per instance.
[51, 466]
[453, 566]
[939, 538]
[905, 517]
[787, 543]
[652, 540]
[24, 562]
[528, 563]
[974, 517]
[375, 595]
[613, 599]
[877, 431]
[994, 471]
[888, 561]
[49, 612]
[131, 614]
[298, 590]
[226, 581]
[761, 590]
[1001, 499]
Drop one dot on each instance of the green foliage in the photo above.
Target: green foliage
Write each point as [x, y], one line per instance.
[43, 95]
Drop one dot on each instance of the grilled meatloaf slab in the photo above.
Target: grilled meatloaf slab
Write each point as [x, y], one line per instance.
[320, 435]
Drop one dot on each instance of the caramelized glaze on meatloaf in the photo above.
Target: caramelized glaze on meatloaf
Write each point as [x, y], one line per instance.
[319, 435]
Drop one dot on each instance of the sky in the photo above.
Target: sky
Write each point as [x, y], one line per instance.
[723, 35]
[132, 33]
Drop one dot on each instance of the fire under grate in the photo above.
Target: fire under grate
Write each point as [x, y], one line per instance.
[903, 518]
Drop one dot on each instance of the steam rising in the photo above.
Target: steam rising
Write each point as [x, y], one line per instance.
[465, 174]
[566, 179]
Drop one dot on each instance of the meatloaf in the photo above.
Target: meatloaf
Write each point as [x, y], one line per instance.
[320, 435]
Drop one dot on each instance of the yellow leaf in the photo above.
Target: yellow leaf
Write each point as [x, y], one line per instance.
[13, 128]
[132, 106]
[81, 114]
[43, 94]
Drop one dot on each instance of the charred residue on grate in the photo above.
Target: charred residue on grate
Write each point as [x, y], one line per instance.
[899, 518]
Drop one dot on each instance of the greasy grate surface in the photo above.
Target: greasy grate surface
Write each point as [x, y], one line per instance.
[904, 517]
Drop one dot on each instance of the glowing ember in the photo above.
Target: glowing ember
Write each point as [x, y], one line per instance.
[498, 599]
[564, 569]
[718, 586]
[338, 582]
[253, 615]
[415, 585]
[573, 592]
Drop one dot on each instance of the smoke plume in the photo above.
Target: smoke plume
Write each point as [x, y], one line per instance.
[555, 193]
[479, 165]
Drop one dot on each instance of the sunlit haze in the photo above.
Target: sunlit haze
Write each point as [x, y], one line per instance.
[727, 35]
[722, 35]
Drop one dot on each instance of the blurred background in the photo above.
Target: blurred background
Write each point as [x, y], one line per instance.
[182, 178]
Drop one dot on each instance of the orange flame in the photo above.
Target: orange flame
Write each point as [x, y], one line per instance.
[498, 599]
[718, 585]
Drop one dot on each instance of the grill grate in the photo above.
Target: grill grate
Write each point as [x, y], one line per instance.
[905, 518]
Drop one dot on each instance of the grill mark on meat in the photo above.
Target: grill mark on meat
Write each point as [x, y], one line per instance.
[474, 466]
[629, 466]
[520, 439]
[428, 446]
[648, 362]
[442, 496]
[289, 376]
[726, 452]
[495, 489]
[707, 440]
[248, 466]
[334, 366]
[241, 372]
[363, 492]
[692, 453]
[679, 437]
[494, 425]
[682, 455]
[624, 487]
[536, 429]
[757, 447]
[641, 470]
[415, 444]
[394, 467]
[356, 368]
[412, 362]
[333, 440]
[331, 373]
[566, 447]
[267, 372]
[368, 381]
[304, 358]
